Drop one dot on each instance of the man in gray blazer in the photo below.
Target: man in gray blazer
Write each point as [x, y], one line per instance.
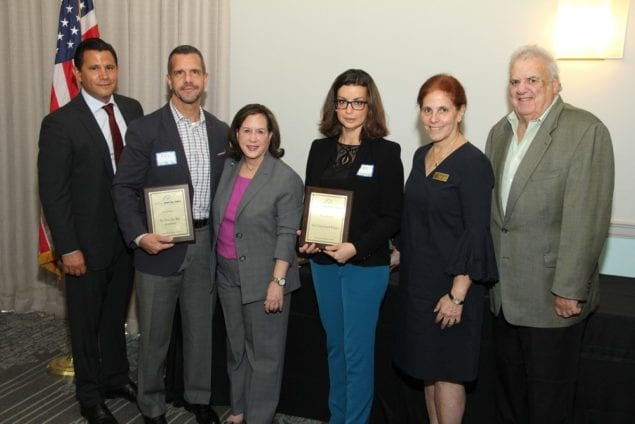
[550, 216]
[178, 144]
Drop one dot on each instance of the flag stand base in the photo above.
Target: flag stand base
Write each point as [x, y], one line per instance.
[62, 366]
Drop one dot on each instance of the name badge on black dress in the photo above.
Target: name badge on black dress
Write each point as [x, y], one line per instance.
[440, 176]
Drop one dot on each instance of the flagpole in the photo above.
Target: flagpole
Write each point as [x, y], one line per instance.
[62, 366]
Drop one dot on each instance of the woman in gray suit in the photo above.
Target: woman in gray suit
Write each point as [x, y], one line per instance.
[256, 211]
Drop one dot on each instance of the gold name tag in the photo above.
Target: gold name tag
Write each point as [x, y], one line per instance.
[440, 176]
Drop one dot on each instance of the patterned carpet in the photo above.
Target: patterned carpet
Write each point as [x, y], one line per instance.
[30, 395]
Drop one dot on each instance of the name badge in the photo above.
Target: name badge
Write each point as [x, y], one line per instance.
[440, 176]
[166, 158]
[366, 170]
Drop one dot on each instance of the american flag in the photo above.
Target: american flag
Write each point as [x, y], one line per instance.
[77, 22]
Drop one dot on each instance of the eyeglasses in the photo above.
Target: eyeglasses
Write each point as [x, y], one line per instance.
[355, 104]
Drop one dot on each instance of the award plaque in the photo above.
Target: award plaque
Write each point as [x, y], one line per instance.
[169, 213]
[327, 214]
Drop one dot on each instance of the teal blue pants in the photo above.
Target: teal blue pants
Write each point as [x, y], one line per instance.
[349, 298]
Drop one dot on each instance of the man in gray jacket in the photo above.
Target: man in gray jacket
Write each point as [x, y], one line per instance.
[550, 216]
[177, 144]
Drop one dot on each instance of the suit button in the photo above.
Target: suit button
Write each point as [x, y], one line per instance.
[504, 230]
[239, 235]
[242, 258]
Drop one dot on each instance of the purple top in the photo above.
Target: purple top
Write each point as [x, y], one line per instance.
[225, 245]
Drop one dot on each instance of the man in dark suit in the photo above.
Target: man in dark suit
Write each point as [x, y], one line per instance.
[76, 164]
[177, 144]
[550, 216]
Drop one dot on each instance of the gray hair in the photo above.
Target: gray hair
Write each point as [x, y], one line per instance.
[530, 51]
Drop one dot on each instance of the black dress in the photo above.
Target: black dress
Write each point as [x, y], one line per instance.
[445, 231]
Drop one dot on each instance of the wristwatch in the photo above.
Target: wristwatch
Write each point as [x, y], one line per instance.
[281, 281]
[454, 299]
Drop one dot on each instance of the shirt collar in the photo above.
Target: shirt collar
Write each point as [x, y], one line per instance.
[512, 118]
[94, 104]
[178, 116]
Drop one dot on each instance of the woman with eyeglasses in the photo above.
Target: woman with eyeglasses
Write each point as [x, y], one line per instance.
[351, 278]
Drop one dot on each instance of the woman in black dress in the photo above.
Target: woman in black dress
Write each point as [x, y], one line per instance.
[445, 254]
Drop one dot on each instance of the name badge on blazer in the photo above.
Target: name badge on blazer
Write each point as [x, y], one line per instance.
[440, 176]
[166, 158]
[366, 170]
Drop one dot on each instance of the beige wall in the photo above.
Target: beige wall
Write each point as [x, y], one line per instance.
[285, 54]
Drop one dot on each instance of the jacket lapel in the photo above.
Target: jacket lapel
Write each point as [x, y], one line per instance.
[363, 156]
[224, 191]
[172, 137]
[212, 151]
[87, 119]
[532, 158]
[498, 159]
[123, 108]
[257, 183]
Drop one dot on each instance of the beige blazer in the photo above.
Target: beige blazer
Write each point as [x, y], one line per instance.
[557, 217]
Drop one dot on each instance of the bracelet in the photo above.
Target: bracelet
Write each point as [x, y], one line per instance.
[454, 299]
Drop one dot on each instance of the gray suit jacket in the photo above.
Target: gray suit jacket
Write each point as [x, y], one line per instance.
[267, 219]
[557, 216]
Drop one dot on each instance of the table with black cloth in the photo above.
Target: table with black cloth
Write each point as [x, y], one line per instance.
[605, 393]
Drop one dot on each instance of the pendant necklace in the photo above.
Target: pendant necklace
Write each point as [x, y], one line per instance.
[439, 158]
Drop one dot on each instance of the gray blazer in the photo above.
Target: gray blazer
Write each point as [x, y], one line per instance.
[267, 220]
[557, 216]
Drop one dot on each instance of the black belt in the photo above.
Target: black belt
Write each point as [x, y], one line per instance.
[198, 223]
